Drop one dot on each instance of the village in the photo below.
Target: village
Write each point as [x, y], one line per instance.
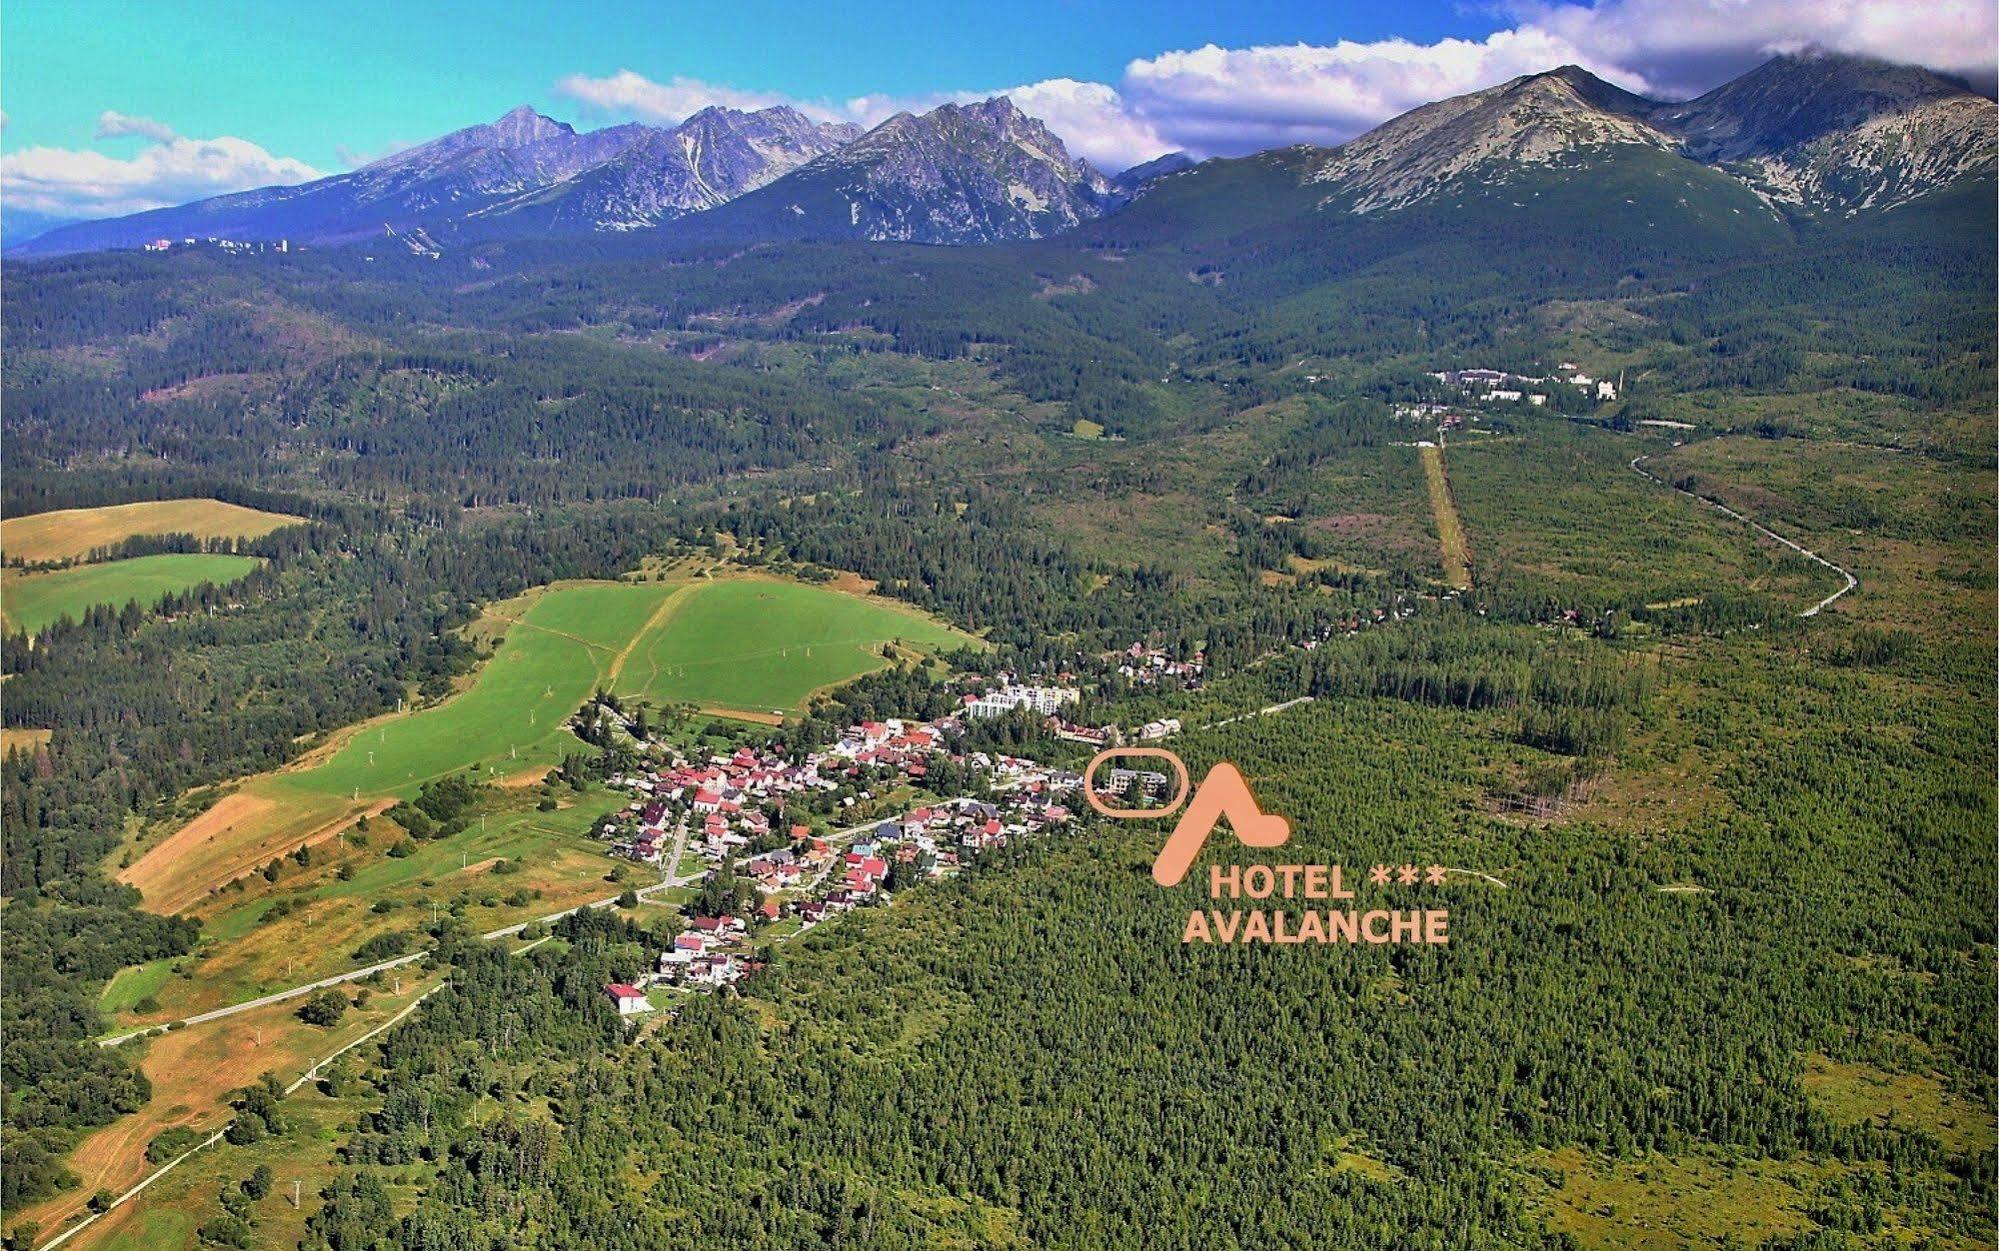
[781, 841]
[1499, 386]
[235, 247]
[765, 875]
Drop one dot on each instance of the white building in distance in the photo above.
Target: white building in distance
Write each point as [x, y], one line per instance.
[1042, 699]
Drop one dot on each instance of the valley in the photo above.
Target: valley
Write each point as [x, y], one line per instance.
[641, 723]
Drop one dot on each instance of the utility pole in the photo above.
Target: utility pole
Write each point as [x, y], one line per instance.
[294, 1193]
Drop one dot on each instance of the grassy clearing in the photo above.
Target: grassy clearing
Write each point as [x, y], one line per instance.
[14, 738]
[509, 721]
[1451, 541]
[1916, 530]
[1863, 1094]
[177, 1205]
[250, 948]
[1670, 1202]
[194, 1071]
[73, 533]
[248, 952]
[761, 644]
[511, 718]
[1559, 504]
[33, 601]
[130, 985]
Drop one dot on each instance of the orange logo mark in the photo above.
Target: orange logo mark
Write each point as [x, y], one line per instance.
[1223, 793]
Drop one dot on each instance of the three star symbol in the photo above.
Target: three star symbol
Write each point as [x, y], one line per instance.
[1407, 875]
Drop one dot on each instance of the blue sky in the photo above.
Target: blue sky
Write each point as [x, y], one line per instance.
[307, 79]
[114, 107]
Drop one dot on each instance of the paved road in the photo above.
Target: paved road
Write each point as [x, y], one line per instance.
[1637, 465]
[274, 997]
[505, 931]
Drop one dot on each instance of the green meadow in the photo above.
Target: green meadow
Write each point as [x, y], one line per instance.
[512, 717]
[766, 646]
[33, 601]
[133, 983]
[747, 644]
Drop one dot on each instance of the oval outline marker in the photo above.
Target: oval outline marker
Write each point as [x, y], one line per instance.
[1159, 753]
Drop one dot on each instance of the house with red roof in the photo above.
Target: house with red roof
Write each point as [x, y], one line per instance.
[630, 999]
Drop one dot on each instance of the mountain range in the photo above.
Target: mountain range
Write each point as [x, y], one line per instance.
[1801, 136]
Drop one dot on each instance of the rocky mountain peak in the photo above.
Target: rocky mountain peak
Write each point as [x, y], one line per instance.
[521, 125]
[1559, 117]
[975, 172]
[1830, 132]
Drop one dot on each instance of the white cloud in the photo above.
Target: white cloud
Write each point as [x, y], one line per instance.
[1685, 47]
[631, 94]
[1209, 100]
[71, 183]
[1094, 121]
[873, 110]
[1221, 100]
[1231, 100]
[1226, 101]
[111, 124]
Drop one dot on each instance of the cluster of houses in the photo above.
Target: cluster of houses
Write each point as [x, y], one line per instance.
[1088, 735]
[227, 245]
[1144, 665]
[722, 804]
[814, 877]
[1130, 784]
[905, 746]
[1499, 386]
[710, 952]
